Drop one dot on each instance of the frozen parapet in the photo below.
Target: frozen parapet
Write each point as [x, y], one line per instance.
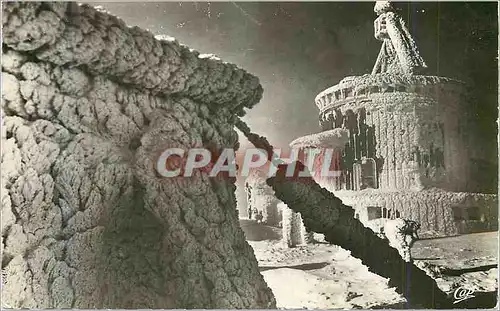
[336, 138]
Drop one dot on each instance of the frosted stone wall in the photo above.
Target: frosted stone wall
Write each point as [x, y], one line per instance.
[88, 104]
[419, 146]
[439, 212]
[418, 127]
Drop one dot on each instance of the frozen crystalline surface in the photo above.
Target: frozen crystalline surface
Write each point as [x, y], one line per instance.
[88, 106]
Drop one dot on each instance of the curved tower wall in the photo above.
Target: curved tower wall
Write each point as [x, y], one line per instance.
[417, 140]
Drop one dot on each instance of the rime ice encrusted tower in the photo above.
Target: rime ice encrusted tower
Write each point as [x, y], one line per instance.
[406, 153]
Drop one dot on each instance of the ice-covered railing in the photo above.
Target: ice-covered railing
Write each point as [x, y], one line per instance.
[360, 87]
[73, 35]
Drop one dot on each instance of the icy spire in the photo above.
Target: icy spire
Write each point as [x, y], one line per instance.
[383, 7]
[399, 52]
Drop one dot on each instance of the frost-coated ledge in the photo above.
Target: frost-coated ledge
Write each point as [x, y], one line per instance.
[336, 138]
[362, 87]
[72, 35]
[440, 212]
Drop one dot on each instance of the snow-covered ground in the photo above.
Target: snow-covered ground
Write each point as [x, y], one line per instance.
[327, 277]
[465, 253]
[320, 276]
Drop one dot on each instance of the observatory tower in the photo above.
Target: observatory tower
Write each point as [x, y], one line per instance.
[406, 152]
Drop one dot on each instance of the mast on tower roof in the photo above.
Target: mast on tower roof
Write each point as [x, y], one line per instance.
[399, 53]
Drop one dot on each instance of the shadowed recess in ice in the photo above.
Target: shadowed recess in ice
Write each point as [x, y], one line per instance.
[88, 104]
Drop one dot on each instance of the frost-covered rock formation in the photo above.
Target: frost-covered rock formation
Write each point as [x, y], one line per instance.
[88, 104]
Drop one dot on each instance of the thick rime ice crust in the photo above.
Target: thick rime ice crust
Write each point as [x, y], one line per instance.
[87, 106]
[368, 85]
[335, 138]
[294, 230]
[382, 7]
[409, 117]
[70, 35]
[261, 199]
[434, 209]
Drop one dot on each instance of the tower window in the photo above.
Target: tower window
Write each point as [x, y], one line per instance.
[385, 213]
[401, 88]
[474, 213]
[348, 92]
[458, 213]
[329, 97]
[374, 212]
[380, 26]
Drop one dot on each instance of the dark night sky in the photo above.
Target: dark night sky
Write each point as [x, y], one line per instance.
[297, 49]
